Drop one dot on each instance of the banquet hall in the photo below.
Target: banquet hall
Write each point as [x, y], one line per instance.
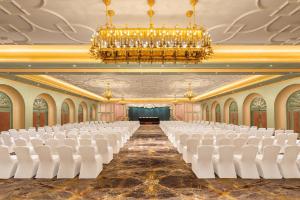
[150, 99]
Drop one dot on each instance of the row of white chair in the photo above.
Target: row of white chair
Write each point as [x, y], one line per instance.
[66, 164]
[248, 165]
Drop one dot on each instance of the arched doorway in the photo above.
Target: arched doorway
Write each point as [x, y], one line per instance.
[6, 114]
[205, 112]
[293, 112]
[258, 110]
[68, 111]
[218, 113]
[40, 112]
[80, 113]
[233, 113]
[65, 113]
[17, 105]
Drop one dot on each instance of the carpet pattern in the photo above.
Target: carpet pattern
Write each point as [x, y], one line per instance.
[149, 167]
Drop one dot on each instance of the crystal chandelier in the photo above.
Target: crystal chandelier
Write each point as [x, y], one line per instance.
[107, 93]
[189, 93]
[111, 44]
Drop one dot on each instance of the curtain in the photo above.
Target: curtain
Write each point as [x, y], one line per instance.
[163, 113]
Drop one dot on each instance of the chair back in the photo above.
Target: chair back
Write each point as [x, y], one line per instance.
[292, 139]
[224, 141]
[7, 139]
[205, 152]
[85, 136]
[85, 142]
[4, 154]
[207, 141]
[44, 153]
[21, 142]
[270, 153]
[239, 142]
[23, 154]
[280, 138]
[253, 141]
[267, 142]
[65, 153]
[249, 153]
[87, 153]
[226, 153]
[183, 139]
[192, 145]
[99, 136]
[291, 154]
[35, 142]
[102, 145]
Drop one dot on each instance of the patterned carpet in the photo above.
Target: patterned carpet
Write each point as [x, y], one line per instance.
[148, 167]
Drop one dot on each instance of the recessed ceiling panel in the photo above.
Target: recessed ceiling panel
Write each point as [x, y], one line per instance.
[74, 21]
[150, 86]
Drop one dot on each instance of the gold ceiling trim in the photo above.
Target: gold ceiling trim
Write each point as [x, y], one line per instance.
[235, 86]
[150, 70]
[59, 84]
[80, 54]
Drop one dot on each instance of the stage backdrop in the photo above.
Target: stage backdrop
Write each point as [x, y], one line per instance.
[163, 113]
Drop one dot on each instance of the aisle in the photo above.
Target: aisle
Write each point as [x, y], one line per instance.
[148, 167]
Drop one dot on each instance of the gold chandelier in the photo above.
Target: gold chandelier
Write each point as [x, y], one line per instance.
[107, 93]
[151, 45]
[189, 93]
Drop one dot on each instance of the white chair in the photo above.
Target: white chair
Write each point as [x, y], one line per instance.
[46, 136]
[85, 142]
[113, 142]
[253, 141]
[91, 164]
[69, 164]
[189, 150]
[72, 143]
[20, 142]
[289, 131]
[202, 164]
[36, 142]
[267, 163]
[224, 141]
[245, 163]
[207, 141]
[182, 142]
[266, 142]
[292, 139]
[280, 139]
[8, 141]
[244, 135]
[99, 136]
[104, 150]
[288, 162]
[27, 164]
[223, 162]
[86, 136]
[8, 163]
[54, 144]
[60, 136]
[238, 143]
[48, 166]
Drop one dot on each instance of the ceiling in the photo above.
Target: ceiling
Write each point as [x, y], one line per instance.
[73, 21]
[149, 86]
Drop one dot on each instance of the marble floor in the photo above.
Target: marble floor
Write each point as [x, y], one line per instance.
[148, 167]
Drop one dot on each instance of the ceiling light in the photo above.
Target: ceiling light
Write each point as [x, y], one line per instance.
[112, 44]
[189, 93]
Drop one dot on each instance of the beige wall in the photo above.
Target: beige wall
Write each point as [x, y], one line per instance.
[268, 92]
[30, 92]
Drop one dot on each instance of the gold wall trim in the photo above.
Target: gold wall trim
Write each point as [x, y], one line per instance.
[59, 84]
[252, 80]
[80, 54]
